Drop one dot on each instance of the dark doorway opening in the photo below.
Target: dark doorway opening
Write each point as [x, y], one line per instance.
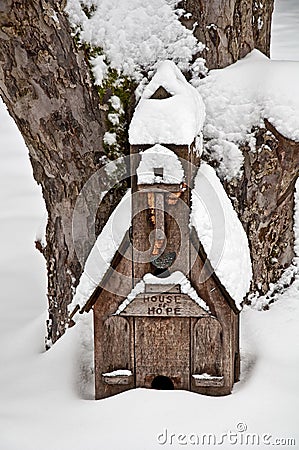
[162, 383]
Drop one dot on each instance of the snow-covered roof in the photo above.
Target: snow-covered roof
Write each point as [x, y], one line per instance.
[221, 233]
[175, 278]
[159, 157]
[177, 119]
[103, 251]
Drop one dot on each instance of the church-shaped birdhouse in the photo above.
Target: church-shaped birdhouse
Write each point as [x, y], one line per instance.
[172, 264]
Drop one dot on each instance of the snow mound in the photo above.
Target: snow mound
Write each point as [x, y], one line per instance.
[241, 96]
[103, 251]
[221, 233]
[174, 120]
[159, 157]
[134, 35]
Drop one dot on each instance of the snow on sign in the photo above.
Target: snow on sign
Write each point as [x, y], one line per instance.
[166, 307]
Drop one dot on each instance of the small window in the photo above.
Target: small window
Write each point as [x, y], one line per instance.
[158, 171]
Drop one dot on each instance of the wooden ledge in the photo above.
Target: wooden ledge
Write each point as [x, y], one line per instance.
[117, 380]
[207, 382]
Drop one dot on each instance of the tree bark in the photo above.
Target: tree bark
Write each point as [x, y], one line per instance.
[264, 200]
[264, 196]
[45, 83]
[229, 28]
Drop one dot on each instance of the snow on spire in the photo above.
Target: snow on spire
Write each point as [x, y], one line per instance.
[177, 119]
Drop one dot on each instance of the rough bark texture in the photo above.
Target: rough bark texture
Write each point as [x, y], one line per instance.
[46, 86]
[229, 28]
[45, 83]
[264, 199]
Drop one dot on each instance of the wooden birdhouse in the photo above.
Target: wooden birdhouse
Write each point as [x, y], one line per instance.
[166, 308]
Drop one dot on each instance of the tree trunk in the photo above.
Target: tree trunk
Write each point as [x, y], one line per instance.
[229, 28]
[45, 83]
[264, 196]
[264, 200]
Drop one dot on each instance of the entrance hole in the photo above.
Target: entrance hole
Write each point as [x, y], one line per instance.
[162, 383]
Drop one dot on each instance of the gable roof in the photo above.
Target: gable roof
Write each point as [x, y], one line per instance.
[176, 119]
[103, 252]
[175, 278]
[219, 233]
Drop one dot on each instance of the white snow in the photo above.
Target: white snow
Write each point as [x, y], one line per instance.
[174, 120]
[41, 231]
[118, 373]
[134, 35]
[109, 138]
[116, 103]
[99, 69]
[240, 97]
[221, 233]
[205, 376]
[113, 118]
[138, 289]
[46, 396]
[175, 278]
[103, 251]
[229, 157]
[163, 158]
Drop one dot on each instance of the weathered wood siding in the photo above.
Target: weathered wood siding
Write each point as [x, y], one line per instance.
[162, 347]
[211, 292]
[207, 348]
[112, 335]
[178, 339]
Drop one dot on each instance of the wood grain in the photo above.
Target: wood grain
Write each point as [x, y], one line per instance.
[167, 350]
[158, 305]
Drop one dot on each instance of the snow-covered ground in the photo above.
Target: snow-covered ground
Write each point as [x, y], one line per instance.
[44, 399]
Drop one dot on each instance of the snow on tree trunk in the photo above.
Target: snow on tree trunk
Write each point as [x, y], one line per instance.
[264, 196]
[46, 85]
[264, 200]
[230, 29]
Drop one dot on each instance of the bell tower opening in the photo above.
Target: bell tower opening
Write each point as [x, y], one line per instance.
[162, 383]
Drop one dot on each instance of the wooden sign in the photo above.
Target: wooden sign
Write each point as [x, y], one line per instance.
[165, 304]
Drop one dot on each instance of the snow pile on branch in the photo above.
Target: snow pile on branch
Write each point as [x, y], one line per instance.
[221, 233]
[103, 251]
[175, 278]
[159, 157]
[134, 35]
[177, 119]
[240, 97]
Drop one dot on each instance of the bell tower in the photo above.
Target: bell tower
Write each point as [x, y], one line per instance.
[164, 160]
